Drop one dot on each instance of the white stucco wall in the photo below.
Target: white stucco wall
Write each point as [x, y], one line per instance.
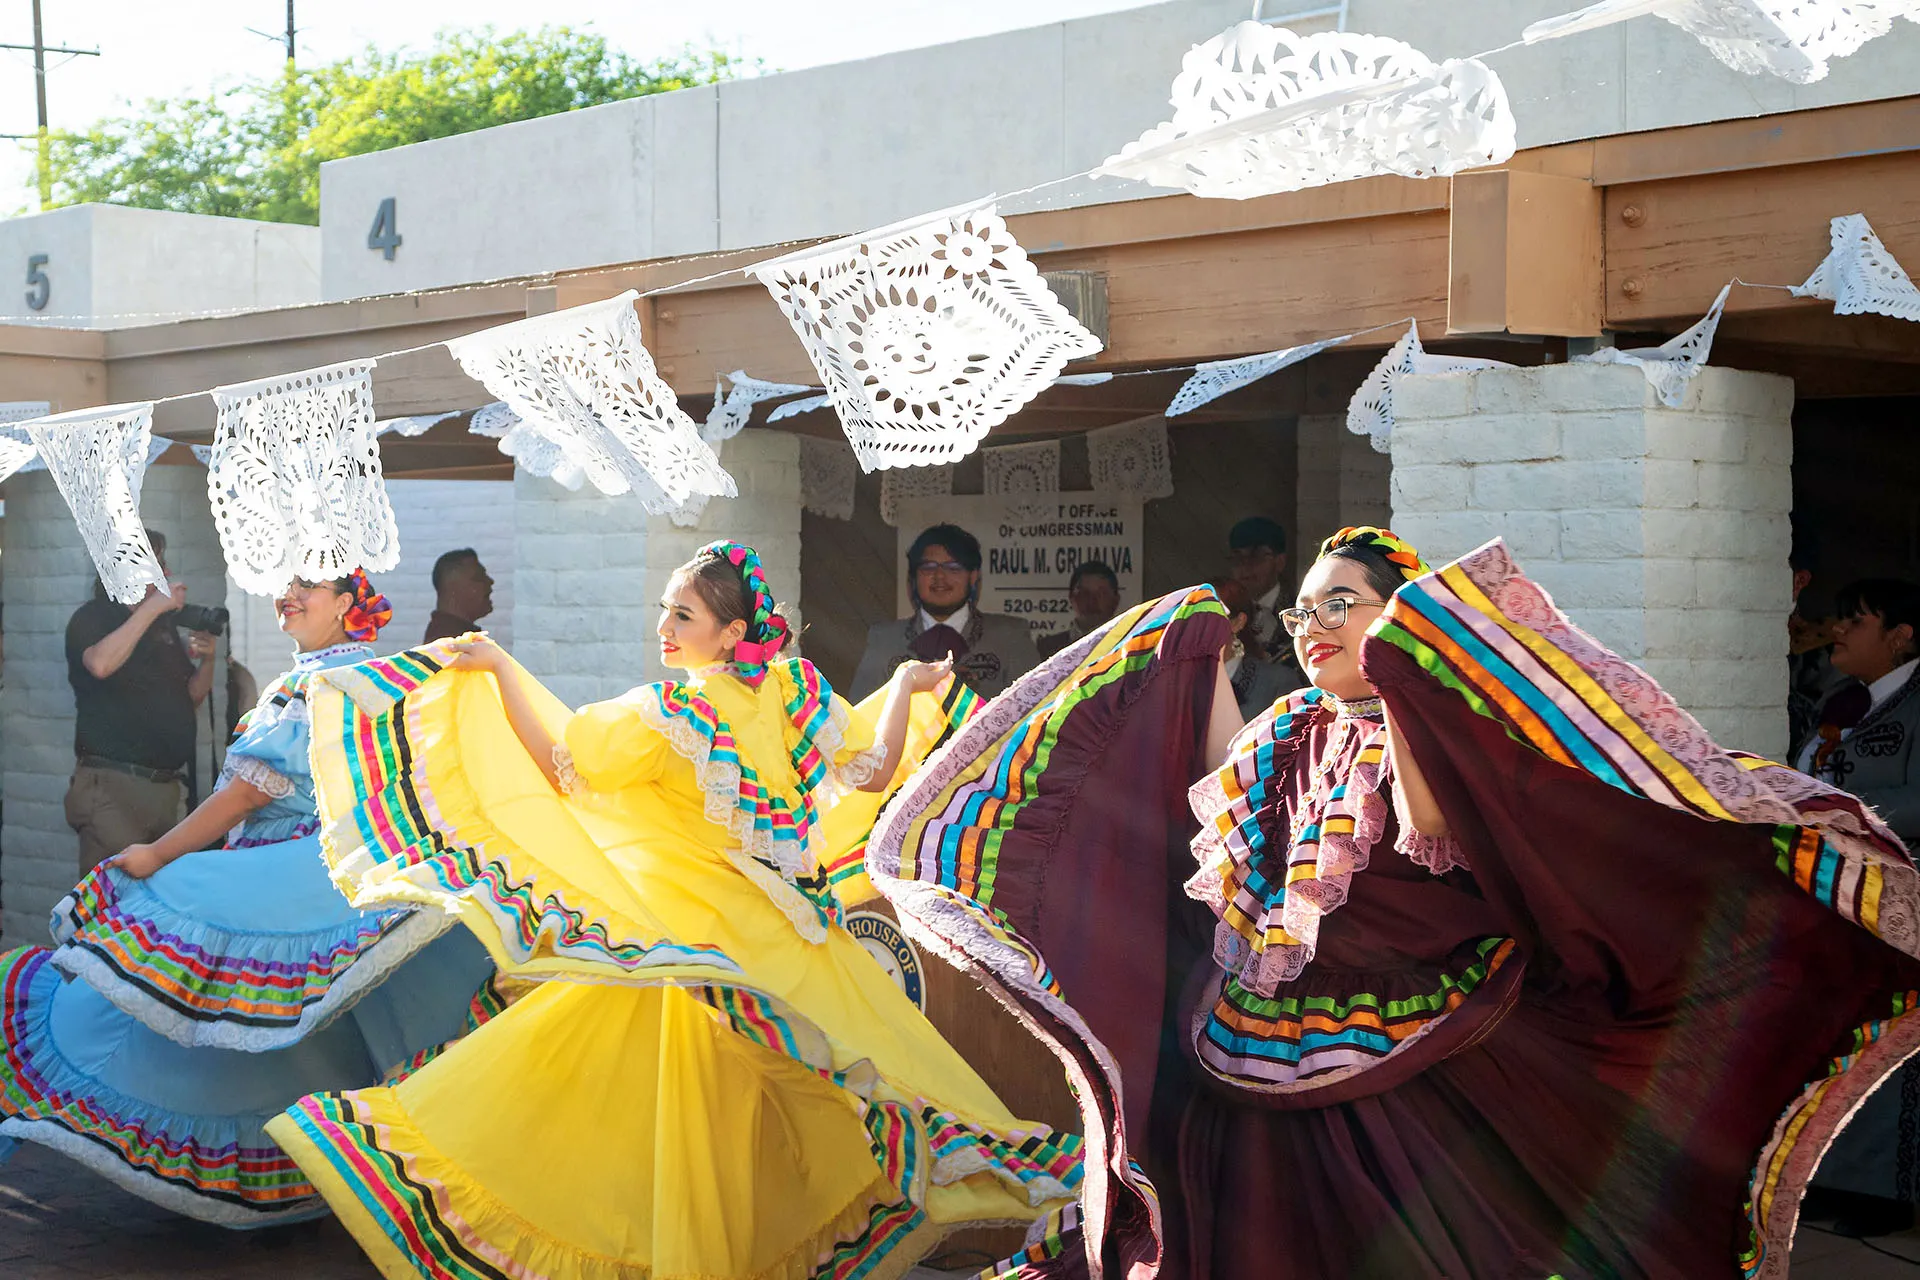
[436, 516]
[110, 267]
[1661, 531]
[48, 576]
[840, 148]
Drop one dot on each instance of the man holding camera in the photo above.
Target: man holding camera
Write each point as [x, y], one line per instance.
[135, 687]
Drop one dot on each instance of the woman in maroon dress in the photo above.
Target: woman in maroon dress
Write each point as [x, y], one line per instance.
[1535, 981]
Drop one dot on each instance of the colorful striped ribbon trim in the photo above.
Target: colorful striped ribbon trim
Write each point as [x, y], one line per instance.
[1479, 628]
[257, 1177]
[389, 814]
[958, 847]
[211, 986]
[1271, 1042]
[1798, 1129]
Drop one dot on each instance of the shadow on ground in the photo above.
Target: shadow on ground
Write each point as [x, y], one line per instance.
[59, 1222]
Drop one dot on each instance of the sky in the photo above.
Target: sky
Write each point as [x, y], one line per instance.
[168, 48]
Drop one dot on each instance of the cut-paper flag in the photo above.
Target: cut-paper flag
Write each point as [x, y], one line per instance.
[1259, 110]
[583, 383]
[295, 479]
[928, 334]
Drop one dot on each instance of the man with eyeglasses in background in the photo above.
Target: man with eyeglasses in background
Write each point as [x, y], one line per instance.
[989, 650]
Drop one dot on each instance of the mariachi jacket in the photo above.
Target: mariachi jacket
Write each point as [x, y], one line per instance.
[1875, 761]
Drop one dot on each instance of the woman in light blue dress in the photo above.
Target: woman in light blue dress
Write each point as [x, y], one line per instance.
[193, 995]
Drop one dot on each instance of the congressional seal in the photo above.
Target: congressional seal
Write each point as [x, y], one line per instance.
[885, 942]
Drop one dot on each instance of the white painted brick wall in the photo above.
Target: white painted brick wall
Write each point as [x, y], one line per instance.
[1364, 476]
[1662, 531]
[590, 570]
[435, 516]
[48, 576]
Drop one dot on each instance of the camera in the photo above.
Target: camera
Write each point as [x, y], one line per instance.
[199, 617]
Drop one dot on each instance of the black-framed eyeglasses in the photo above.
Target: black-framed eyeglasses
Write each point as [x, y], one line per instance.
[1332, 614]
[940, 566]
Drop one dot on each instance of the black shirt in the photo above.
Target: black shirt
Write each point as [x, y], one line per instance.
[141, 714]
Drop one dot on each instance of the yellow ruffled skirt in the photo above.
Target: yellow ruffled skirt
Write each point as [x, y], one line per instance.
[705, 1093]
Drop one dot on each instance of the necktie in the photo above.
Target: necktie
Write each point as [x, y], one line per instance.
[1843, 710]
[937, 642]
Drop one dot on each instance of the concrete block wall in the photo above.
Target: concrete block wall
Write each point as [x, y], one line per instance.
[436, 516]
[112, 267]
[1663, 532]
[48, 576]
[1342, 481]
[865, 143]
[591, 569]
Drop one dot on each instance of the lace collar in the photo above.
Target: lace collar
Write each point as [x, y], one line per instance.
[771, 811]
[1360, 708]
[334, 655]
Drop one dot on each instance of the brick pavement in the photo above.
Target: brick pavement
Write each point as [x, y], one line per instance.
[59, 1222]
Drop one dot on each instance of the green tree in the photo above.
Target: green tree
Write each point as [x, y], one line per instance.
[254, 150]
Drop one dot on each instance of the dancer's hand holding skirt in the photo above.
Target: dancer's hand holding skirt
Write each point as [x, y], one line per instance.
[1604, 1023]
[716, 1080]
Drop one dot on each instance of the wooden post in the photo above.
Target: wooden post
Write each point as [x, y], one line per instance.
[1524, 255]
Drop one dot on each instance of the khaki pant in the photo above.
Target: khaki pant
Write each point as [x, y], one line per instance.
[113, 810]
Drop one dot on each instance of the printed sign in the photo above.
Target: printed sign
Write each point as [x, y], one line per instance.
[1030, 545]
[882, 939]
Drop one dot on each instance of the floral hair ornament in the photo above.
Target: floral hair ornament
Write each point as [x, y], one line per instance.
[767, 630]
[1398, 551]
[369, 611]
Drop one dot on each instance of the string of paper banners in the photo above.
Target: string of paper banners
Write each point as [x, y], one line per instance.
[926, 334]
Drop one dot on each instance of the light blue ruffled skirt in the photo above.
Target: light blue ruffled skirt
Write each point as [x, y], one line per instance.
[179, 1013]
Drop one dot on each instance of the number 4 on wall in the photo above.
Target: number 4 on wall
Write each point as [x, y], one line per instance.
[385, 235]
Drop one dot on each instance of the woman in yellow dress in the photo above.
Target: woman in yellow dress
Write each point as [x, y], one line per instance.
[717, 1080]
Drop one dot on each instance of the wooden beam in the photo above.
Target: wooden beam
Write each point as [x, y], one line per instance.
[65, 367]
[1672, 244]
[53, 342]
[1524, 254]
[1855, 130]
[1823, 375]
[1182, 217]
[408, 470]
[1811, 328]
[1168, 300]
[160, 361]
[461, 309]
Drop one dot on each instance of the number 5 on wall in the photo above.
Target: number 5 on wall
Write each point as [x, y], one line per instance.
[385, 235]
[39, 287]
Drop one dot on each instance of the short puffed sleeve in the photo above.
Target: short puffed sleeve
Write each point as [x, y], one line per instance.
[610, 745]
[270, 753]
